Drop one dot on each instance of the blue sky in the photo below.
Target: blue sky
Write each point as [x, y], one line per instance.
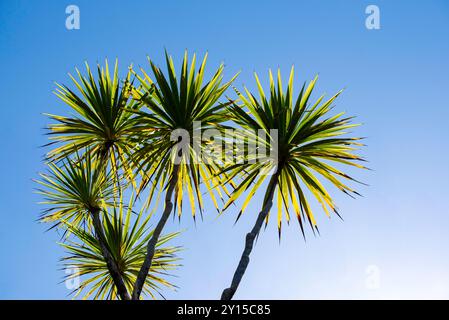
[396, 81]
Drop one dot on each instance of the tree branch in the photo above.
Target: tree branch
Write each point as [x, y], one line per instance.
[110, 262]
[151, 246]
[228, 293]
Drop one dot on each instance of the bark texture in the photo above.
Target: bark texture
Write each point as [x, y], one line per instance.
[151, 246]
[228, 293]
[110, 262]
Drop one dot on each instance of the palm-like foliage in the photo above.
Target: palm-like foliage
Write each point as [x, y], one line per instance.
[78, 193]
[128, 130]
[171, 104]
[126, 235]
[102, 119]
[310, 141]
[74, 189]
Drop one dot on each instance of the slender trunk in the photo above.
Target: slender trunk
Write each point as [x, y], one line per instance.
[151, 246]
[228, 293]
[110, 262]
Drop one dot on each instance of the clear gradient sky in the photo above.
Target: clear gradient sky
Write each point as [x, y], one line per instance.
[397, 84]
